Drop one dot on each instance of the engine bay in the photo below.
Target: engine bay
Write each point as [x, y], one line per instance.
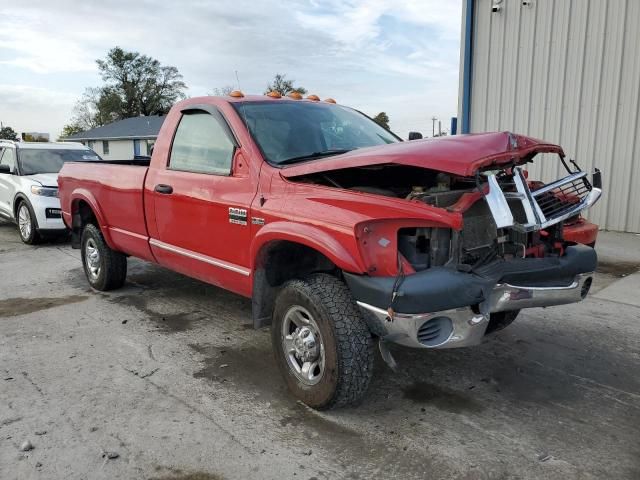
[478, 243]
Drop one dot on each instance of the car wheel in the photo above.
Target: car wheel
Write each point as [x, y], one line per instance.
[322, 345]
[105, 268]
[27, 226]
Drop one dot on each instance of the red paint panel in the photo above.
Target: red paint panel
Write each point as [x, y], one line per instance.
[581, 231]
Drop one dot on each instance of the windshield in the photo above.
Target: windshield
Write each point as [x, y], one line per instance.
[41, 160]
[288, 132]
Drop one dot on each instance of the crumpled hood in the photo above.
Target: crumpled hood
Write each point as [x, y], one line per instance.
[45, 179]
[458, 154]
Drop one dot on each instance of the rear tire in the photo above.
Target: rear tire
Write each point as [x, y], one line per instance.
[105, 268]
[27, 226]
[316, 319]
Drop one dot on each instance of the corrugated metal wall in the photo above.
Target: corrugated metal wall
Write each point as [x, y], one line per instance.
[567, 71]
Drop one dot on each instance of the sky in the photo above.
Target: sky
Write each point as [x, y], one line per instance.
[398, 57]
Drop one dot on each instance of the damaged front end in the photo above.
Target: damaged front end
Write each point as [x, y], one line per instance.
[451, 287]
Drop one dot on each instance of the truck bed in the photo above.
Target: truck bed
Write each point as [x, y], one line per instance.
[116, 186]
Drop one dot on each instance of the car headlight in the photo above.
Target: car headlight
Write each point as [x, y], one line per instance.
[44, 191]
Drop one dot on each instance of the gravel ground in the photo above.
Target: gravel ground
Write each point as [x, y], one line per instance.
[165, 379]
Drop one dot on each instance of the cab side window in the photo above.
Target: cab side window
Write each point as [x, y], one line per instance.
[8, 158]
[201, 144]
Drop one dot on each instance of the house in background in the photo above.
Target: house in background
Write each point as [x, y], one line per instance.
[122, 140]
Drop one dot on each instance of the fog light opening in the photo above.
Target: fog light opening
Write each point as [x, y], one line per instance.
[435, 331]
[586, 286]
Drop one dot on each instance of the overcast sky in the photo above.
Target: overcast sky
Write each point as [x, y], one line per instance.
[397, 57]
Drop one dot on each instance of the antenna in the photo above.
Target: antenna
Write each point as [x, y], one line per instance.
[238, 81]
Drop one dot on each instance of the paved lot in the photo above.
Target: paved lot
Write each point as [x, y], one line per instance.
[165, 374]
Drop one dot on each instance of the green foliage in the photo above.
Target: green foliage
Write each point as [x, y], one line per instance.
[382, 119]
[283, 86]
[71, 129]
[8, 133]
[134, 85]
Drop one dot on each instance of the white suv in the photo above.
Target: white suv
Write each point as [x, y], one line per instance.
[29, 185]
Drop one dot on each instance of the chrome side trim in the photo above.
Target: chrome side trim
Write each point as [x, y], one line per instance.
[202, 258]
[128, 233]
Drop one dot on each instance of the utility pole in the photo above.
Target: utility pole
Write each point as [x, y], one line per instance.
[433, 126]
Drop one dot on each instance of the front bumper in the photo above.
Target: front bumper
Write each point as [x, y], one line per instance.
[46, 211]
[460, 305]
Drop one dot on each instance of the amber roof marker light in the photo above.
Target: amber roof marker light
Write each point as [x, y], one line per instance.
[329, 100]
[236, 94]
[295, 95]
[314, 98]
[273, 94]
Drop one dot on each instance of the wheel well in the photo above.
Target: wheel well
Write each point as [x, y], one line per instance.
[16, 204]
[82, 214]
[278, 262]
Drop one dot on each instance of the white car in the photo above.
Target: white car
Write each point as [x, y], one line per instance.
[29, 185]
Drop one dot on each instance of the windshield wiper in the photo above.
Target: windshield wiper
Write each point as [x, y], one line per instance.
[311, 156]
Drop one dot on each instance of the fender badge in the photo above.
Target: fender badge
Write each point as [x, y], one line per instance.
[257, 221]
[238, 216]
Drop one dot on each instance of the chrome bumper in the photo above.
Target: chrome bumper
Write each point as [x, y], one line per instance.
[461, 327]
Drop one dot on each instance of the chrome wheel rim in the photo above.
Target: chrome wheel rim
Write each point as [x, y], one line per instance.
[303, 345]
[92, 259]
[24, 222]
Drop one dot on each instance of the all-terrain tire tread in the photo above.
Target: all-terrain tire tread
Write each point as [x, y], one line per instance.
[354, 340]
[115, 263]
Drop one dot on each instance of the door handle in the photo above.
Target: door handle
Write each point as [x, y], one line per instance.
[164, 189]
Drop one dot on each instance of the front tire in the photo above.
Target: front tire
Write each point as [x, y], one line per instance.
[27, 226]
[322, 345]
[105, 268]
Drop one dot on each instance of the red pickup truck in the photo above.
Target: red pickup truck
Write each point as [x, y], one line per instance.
[340, 232]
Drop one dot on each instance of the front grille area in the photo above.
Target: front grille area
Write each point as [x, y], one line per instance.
[542, 206]
[557, 201]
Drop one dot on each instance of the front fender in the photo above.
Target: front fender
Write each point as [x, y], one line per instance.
[311, 236]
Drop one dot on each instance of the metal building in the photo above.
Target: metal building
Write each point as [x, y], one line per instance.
[566, 71]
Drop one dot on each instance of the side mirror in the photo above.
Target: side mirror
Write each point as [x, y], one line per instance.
[415, 135]
[5, 169]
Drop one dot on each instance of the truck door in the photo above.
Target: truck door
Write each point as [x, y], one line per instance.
[202, 199]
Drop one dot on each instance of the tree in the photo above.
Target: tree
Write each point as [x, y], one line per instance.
[382, 119]
[143, 85]
[283, 86]
[70, 129]
[223, 91]
[8, 133]
[135, 85]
